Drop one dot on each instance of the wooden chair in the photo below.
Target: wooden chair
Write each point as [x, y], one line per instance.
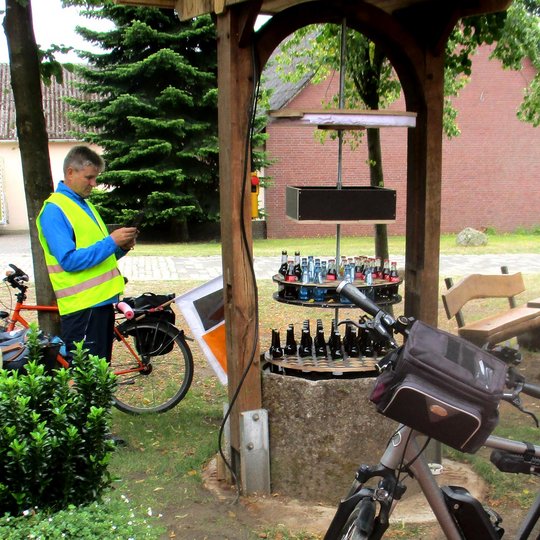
[500, 326]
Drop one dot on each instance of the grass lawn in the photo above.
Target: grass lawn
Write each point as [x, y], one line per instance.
[162, 466]
[505, 243]
[161, 469]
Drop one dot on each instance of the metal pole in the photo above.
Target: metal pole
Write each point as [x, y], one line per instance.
[342, 60]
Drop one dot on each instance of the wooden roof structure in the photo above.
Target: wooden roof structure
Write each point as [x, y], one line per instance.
[413, 35]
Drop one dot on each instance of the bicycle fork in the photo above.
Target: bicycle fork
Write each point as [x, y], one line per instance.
[402, 453]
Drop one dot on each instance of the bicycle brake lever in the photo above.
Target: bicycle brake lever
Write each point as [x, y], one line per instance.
[515, 400]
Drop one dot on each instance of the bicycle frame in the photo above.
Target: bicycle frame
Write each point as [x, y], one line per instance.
[402, 449]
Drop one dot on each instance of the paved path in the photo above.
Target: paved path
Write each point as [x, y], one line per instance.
[15, 248]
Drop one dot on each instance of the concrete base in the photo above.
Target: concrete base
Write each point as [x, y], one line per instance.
[320, 432]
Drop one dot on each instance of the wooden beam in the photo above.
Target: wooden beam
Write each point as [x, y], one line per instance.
[347, 118]
[236, 82]
[170, 4]
[188, 9]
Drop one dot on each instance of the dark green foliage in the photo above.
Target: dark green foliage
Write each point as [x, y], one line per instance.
[53, 446]
[154, 112]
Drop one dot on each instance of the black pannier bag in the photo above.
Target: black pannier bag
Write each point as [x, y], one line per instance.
[151, 341]
[443, 386]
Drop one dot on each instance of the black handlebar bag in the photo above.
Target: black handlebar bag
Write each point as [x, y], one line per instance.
[443, 386]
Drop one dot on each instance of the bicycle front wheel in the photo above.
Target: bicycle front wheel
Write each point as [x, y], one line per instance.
[153, 364]
[359, 526]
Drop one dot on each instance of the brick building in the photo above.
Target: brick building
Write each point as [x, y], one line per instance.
[491, 172]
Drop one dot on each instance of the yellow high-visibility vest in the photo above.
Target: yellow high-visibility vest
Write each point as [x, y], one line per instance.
[85, 288]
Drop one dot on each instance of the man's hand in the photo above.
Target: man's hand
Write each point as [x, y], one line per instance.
[125, 237]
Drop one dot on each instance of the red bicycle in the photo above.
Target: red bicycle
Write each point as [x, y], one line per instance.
[151, 358]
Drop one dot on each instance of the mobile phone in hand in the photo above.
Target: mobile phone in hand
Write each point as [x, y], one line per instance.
[136, 222]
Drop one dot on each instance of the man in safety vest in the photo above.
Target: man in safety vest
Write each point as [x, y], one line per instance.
[81, 255]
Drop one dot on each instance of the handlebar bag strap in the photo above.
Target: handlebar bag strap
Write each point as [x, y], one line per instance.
[443, 386]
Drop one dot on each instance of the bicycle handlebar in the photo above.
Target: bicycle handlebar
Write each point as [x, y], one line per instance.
[532, 390]
[359, 298]
[16, 278]
[383, 322]
[386, 325]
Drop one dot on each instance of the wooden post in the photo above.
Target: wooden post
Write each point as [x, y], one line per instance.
[424, 167]
[235, 80]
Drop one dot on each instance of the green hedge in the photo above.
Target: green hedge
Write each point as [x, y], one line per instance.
[54, 449]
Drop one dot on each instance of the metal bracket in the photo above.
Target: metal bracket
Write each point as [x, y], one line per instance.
[254, 452]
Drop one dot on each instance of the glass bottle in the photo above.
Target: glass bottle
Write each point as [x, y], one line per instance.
[306, 343]
[291, 346]
[320, 343]
[283, 273]
[275, 348]
[303, 291]
[332, 271]
[297, 266]
[284, 264]
[336, 350]
[386, 269]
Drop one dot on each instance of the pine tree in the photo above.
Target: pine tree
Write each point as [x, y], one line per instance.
[153, 110]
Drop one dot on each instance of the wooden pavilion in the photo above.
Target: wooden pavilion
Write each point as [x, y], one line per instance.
[413, 34]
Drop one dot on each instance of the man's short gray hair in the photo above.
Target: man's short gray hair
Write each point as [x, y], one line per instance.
[82, 156]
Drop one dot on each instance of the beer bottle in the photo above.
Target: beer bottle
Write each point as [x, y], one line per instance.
[353, 350]
[284, 264]
[348, 339]
[283, 273]
[275, 348]
[336, 351]
[297, 266]
[306, 343]
[290, 343]
[320, 343]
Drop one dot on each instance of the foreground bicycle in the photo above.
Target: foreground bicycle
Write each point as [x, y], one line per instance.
[408, 389]
[151, 358]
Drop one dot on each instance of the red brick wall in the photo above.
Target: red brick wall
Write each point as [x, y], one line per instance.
[490, 173]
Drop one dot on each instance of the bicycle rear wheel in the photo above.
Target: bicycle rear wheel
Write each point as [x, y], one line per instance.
[154, 367]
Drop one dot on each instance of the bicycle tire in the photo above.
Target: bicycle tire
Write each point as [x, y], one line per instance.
[359, 525]
[168, 371]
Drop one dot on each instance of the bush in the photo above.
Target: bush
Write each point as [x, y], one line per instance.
[54, 449]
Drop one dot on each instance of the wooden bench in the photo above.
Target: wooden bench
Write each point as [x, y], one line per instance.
[500, 326]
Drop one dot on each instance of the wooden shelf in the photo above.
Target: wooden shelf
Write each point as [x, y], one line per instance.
[325, 364]
[347, 119]
[332, 300]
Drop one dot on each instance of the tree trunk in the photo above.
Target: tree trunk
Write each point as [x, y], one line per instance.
[377, 180]
[32, 134]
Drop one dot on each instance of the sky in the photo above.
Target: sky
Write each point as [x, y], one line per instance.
[55, 24]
